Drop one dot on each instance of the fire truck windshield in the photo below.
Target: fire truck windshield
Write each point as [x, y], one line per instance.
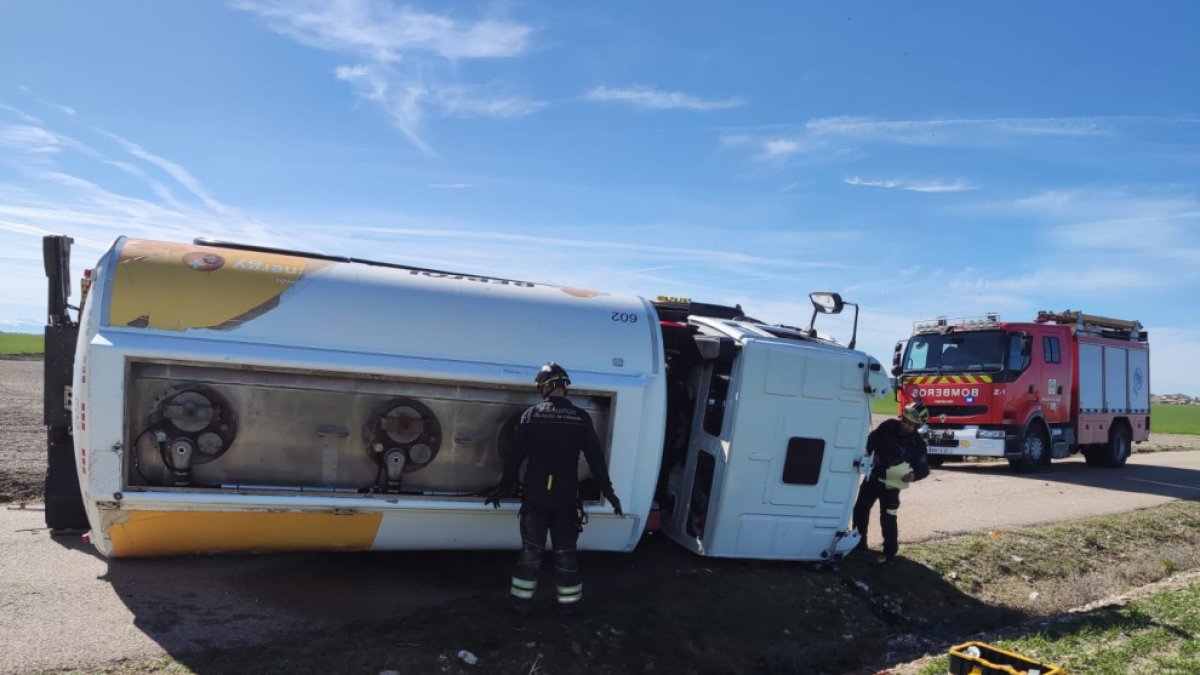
[978, 351]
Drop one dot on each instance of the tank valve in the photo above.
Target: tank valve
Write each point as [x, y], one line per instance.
[179, 456]
[393, 462]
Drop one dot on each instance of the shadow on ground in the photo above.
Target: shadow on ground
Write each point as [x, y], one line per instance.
[659, 609]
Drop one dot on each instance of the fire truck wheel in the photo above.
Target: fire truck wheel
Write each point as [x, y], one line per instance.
[1033, 450]
[1118, 446]
[1095, 455]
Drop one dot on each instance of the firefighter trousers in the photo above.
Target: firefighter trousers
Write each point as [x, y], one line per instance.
[873, 490]
[564, 527]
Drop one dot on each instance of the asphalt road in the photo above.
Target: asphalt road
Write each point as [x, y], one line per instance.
[65, 607]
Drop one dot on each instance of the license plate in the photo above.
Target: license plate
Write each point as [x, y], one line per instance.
[935, 450]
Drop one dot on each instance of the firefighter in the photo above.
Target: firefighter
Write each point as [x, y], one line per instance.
[899, 453]
[550, 436]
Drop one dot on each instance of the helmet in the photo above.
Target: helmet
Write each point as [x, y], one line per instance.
[915, 413]
[549, 377]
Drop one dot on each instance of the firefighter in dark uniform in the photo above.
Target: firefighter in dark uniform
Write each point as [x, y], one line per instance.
[550, 437]
[900, 458]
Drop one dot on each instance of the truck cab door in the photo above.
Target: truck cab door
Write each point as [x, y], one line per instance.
[1026, 389]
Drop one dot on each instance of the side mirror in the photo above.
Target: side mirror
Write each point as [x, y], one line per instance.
[827, 303]
[1026, 345]
[897, 353]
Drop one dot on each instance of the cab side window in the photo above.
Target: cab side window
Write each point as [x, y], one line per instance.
[1050, 350]
[1017, 361]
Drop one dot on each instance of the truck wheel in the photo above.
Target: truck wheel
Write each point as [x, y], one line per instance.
[1118, 446]
[1095, 454]
[1033, 451]
[936, 460]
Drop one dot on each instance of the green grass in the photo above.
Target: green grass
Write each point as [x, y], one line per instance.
[1175, 419]
[21, 343]
[884, 406]
[1159, 634]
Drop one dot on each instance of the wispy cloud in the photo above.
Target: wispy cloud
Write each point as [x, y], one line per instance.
[837, 136]
[172, 169]
[954, 131]
[406, 55]
[655, 99]
[21, 115]
[64, 109]
[32, 139]
[914, 186]
[450, 186]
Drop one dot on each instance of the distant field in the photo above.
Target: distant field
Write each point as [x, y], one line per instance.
[20, 343]
[884, 406]
[1175, 419]
[1164, 419]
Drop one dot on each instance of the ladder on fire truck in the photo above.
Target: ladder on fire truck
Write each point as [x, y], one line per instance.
[1100, 326]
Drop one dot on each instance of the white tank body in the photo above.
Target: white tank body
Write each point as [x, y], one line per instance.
[231, 399]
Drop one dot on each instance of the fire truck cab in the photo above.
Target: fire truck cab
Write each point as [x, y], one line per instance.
[1030, 392]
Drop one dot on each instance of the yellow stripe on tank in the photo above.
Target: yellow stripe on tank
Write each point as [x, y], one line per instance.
[153, 533]
[182, 286]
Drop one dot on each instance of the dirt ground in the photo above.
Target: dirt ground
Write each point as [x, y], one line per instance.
[23, 436]
[22, 433]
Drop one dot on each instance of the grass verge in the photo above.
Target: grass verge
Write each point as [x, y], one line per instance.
[21, 343]
[662, 609]
[1158, 634]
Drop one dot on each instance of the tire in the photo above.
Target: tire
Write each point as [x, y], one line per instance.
[1034, 450]
[1119, 446]
[936, 460]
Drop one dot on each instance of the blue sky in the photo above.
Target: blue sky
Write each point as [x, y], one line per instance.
[923, 159]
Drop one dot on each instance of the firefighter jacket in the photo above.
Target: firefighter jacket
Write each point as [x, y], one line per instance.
[890, 446]
[550, 436]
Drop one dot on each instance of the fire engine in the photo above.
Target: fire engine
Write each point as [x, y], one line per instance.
[215, 396]
[1030, 392]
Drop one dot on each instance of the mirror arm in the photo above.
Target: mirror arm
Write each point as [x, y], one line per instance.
[854, 332]
[812, 322]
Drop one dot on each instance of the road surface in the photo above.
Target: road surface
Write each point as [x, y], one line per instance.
[65, 607]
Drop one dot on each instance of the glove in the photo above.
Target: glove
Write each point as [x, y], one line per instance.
[612, 499]
[496, 494]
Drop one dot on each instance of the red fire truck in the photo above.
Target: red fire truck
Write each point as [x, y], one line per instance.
[1066, 382]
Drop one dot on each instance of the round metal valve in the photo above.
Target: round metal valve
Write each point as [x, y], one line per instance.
[406, 426]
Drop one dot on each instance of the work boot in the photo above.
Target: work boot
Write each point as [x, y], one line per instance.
[569, 608]
[883, 559]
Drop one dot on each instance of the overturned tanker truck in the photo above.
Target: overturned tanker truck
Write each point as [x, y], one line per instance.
[221, 397]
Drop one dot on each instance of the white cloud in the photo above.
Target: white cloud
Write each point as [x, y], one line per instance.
[22, 115]
[655, 99]
[64, 109]
[845, 134]
[174, 170]
[386, 33]
[475, 101]
[451, 186]
[954, 131]
[914, 186]
[780, 148]
[408, 56]
[31, 139]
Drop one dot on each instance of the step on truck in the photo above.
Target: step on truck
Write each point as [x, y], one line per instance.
[222, 397]
[1030, 392]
